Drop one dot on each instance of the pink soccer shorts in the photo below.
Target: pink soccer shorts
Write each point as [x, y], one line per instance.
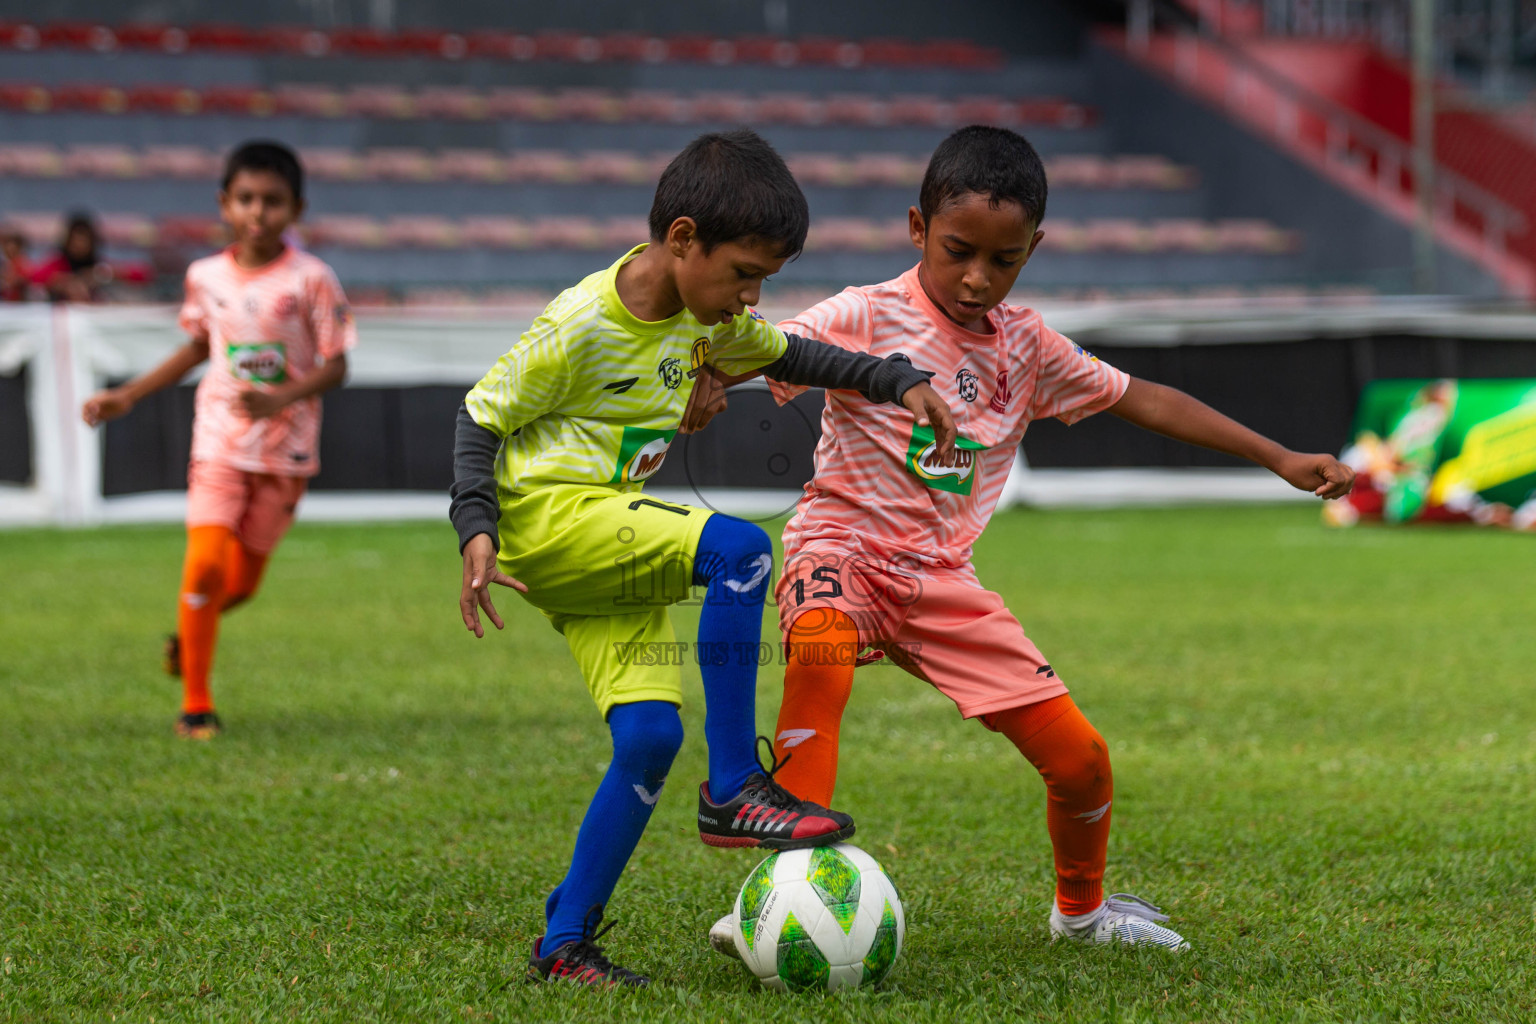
[951, 633]
[257, 507]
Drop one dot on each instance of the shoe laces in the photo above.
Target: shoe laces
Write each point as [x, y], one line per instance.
[768, 790]
[1126, 905]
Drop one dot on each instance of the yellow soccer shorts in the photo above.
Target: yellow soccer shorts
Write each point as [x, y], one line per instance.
[604, 566]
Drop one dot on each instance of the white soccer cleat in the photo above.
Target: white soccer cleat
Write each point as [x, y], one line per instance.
[1121, 918]
[722, 936]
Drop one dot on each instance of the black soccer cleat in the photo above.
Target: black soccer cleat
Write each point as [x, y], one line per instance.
[766, 814]
[201, 725]
[582, 961]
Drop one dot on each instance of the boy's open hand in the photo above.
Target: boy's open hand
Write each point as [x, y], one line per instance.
[259, 404]
[705, 401]
[479, 573]
[1323, 475]
[105, 405]
[930, 410]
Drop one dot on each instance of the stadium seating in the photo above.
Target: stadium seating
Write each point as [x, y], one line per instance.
[574, 47]
[499, 163]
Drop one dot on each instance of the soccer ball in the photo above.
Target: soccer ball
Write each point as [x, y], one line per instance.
[819, 920]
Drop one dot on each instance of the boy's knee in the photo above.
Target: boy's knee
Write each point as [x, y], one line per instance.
[733, 549]
[647, 735]
[1086, 762]
[205, 577]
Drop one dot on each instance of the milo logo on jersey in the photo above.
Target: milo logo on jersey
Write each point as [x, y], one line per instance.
[923, 462]
[641, 453]
[263, 362]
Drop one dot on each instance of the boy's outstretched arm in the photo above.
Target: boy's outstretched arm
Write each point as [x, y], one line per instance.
[817, 364]
[1172, 413]
[111, 403]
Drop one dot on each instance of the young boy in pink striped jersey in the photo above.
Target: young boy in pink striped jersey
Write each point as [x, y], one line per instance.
[275, 328]
[878, 554]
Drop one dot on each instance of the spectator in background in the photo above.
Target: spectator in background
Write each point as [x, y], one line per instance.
[16, 274]
[78, 273]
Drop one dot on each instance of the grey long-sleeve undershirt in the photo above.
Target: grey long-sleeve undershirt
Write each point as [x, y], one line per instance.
[473, 506]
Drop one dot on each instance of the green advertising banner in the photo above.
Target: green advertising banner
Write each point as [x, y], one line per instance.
[1443, 450]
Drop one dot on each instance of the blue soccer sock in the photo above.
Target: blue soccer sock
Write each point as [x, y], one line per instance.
[646, 737]
[734, 562]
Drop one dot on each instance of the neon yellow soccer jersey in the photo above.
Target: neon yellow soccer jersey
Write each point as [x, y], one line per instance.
[592, 395]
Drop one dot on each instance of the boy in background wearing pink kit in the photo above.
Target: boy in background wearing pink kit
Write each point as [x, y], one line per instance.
[274, 325]
[878, 554]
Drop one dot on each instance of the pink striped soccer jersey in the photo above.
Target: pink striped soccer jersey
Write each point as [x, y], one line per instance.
[263, 327]
[878, 491]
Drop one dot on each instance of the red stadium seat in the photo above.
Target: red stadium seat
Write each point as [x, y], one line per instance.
[788, 108]
[496, 232]
[165, 99]
[399, 163]
[650, 105]
[101, 161]
[1256, 236]
[499, 45]
[78, 35]
[432, 43]
[1117, 235]
[247, 99]
[612, 168]
[621, 233]
[33, 99]
[587, 105]
[128, 229]
[1182, 235]
[229, 38]
[540, 165]
[855, 109]
[1150, 172]
[633, 47]
[19, 36]
[1085, 171]
[143, 36]
[889, 169]
[422, 231]
[351, 231]
[891, 53]
[38, 228]
[180, 162]
[693, 48]
[566, 233]
[1066, 235]
[766, 50]
[31, 160]
[296, 41]
[959, 53]
[920, 110]
[982, 110]
[471, 165]
[520, 104]
[365, 42]
[380, 101]
[105, 99]
[451, 101]
[191, 231]
[818, 168]
[330, 164]
[730, 107]
[566, 46]
[819, 50]
[308, 100]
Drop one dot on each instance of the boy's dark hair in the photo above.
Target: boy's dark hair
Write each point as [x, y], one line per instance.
[734, 186]
[261, 155]
[993, 162]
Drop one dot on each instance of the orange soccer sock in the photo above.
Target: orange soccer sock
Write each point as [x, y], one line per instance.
[197, 611]
[1073, 759]
[823, 645]
[242, 573]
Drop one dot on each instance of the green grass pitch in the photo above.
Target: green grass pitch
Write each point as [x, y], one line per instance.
[1324, 749]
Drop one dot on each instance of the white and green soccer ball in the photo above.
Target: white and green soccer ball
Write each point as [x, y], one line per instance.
[819, 920]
